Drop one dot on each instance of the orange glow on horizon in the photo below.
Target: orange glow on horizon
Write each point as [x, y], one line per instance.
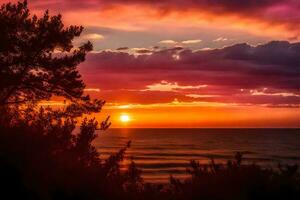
[194, 115]
[204, 117]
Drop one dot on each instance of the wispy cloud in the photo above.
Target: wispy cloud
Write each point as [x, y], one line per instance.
[174, 103]
[201, 95]
[168, 42]
[169, 86]
[92, 90]
[264, 92]
[93, 36]
[191, 41]
[122, 48]
[184, 42]
[220, 39]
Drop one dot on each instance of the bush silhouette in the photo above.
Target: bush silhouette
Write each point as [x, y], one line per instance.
[235, 180]
[46, 158]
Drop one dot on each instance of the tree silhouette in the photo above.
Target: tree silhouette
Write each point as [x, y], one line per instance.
[38, 59]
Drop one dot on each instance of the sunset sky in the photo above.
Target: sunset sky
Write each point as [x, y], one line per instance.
[190, 63]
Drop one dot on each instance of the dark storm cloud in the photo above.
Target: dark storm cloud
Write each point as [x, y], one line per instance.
[227, 71]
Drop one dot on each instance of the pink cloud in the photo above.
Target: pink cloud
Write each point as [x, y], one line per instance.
[230, 74]
[271, 15]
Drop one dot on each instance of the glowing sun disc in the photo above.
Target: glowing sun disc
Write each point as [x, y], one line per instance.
[124, 118]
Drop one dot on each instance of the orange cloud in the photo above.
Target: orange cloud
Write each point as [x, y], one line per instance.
[93, 36]
[148, 18]
[92, 90]
[167, 86]
[276, 18]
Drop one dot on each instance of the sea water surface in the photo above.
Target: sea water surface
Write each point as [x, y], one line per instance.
[164, 152]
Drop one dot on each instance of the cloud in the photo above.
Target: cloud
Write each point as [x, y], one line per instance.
[191, 41]
[220, 39]
[167, 86]
[122, 48]
[167, 42]
[92, 90]
[205, 49]
[264, 92]
[230, 73]
[142, 50]
[185, 42]
[201, 95]
[263, 16]
[174, 103]
[93, 36]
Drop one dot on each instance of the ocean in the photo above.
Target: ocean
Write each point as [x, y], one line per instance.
[164, 152]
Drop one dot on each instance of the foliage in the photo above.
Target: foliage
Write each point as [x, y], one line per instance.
[237, 181]
[44, 157]
[48, 158]
[38, 59]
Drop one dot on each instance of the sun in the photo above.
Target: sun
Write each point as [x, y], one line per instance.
[124, 118]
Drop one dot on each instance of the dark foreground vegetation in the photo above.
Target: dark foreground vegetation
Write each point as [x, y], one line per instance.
[43, 157]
